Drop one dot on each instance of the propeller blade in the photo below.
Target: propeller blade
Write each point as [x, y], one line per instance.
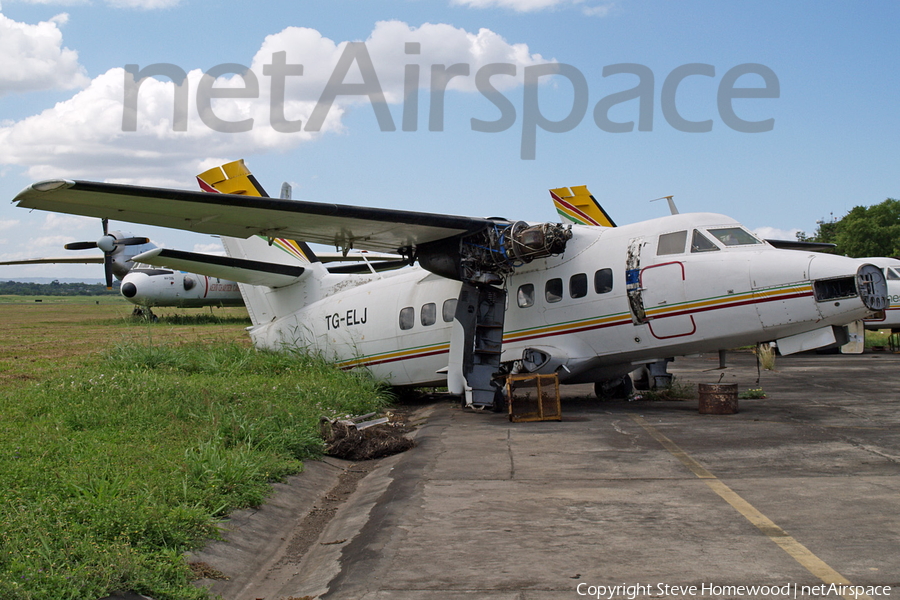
[133, 241]
[105, 226]
[80, 245]
[107, 267]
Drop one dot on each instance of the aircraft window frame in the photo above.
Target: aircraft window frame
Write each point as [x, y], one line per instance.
[733, 236]
[697, 241]
[601, 277]
[525, 295]
[407, 318]
[578, 285]
[428, 314]
[891, 274]
[553, 290]
[448, 310]
[670, 243]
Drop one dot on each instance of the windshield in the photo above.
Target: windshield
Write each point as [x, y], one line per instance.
[734, 236]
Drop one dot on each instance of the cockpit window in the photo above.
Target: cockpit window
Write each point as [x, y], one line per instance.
[734, 236]
[892, 274]
[701, 243]
[671, 243]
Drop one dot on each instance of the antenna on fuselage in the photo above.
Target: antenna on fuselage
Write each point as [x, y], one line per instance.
[285, 191]
[672, 208]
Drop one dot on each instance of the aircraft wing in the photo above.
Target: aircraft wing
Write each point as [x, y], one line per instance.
[797, 245]
[84, 260]
[342, 226]
[234, 269]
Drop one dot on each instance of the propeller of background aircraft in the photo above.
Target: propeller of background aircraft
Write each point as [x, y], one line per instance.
[108, 244]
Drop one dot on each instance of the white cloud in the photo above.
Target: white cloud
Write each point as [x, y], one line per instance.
[771, 233]
[143, 4]
[134, 4]
[32, 57]
[8, 224]
[600, 10]
[83, 137]
[56, 222]
[211, 248]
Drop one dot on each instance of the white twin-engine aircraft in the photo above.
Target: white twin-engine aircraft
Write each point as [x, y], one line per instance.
[492, 296]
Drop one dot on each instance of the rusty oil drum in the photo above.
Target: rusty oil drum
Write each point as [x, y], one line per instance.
[718, 398]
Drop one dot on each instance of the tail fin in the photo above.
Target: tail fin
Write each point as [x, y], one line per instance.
[263, 306]
[578, 206]
[236, 178]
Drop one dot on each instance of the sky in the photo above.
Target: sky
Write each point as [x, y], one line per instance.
[778, 114]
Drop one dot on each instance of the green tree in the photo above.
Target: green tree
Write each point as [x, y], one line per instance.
[872, 231]
[864, 231]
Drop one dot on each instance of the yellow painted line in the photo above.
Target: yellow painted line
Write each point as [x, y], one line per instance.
[795, 549]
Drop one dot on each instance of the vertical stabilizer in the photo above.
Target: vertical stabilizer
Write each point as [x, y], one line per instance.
[262, 303]
[577, 205]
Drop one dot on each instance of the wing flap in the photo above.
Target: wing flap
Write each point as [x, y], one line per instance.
[235, 269]
[241, 216]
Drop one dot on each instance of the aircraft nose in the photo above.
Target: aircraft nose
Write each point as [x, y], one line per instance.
[833, 280]
[129, 290]
[872, 286]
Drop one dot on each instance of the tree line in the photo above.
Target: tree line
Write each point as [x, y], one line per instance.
[864, 231]
[55, 288]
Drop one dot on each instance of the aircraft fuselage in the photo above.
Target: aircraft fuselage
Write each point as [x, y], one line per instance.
[617, 298]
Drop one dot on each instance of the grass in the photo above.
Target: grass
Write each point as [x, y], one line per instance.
[125, 455]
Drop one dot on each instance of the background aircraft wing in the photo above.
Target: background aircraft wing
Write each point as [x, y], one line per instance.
[86, 260]
[342, 226]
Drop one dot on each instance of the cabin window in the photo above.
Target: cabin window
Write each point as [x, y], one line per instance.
[525, 295]
[701, 243]
[448, 310]
[429, 314]
[407, 317]
[734, 236]
[553, 291]
[671, 243]
[603, 281]
[892, 274]
[578, 285]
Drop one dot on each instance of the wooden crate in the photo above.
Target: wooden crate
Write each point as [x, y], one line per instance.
[533, 397]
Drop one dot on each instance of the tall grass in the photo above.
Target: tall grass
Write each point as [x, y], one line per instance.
[112, 471]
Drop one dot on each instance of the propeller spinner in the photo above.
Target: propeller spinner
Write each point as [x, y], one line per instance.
[108, 245]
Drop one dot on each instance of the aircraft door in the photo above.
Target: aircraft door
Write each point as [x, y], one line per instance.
[633, 281]
[664, 300]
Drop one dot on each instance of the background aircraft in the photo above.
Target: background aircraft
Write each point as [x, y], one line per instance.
[891, 320]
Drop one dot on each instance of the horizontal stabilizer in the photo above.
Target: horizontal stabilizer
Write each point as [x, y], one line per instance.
[235, 269]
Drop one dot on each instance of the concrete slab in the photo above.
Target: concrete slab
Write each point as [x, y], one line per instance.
[485, 508]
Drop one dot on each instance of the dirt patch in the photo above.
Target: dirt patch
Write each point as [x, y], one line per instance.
[345, 440]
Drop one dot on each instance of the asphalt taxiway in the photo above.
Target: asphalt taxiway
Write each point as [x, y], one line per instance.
[798, 492]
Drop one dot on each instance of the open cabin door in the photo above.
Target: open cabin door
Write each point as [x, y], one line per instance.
[476, 343]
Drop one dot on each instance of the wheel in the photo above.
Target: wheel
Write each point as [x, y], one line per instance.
[614, 389]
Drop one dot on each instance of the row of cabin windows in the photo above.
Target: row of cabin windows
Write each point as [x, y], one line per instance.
[427, 314]
[578, 288]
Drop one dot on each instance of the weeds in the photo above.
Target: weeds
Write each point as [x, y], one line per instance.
[676, 391]
[765, 354]
[112, 471]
